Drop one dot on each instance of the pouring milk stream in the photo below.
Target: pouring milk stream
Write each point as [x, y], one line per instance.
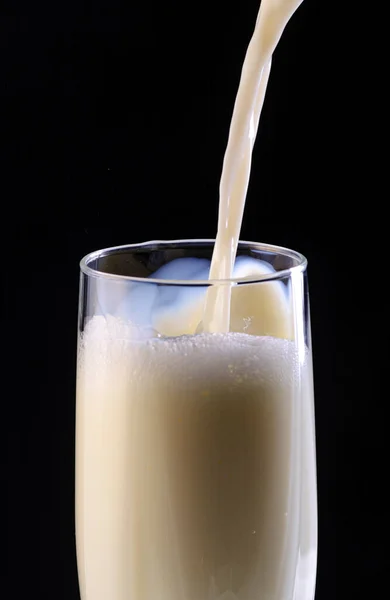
[272, 18]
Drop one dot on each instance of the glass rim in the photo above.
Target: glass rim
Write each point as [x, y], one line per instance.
[259, 278]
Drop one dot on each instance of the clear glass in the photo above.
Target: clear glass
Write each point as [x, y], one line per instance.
[195, 451]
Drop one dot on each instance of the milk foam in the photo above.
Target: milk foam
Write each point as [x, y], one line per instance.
[204, 355]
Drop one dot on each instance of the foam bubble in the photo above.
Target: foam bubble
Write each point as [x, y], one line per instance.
[236, 359]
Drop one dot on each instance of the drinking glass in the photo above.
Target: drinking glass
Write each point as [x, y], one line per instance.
[195, 451]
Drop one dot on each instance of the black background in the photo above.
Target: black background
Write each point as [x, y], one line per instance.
[114, 124]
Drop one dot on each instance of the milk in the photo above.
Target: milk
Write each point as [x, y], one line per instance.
[194, 455]
[272, 18]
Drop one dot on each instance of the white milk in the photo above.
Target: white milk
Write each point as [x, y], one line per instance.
[271, 21]
[192, 457]
[195, 460]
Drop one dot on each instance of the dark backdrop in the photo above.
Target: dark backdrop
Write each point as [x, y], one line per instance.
[115, 122]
